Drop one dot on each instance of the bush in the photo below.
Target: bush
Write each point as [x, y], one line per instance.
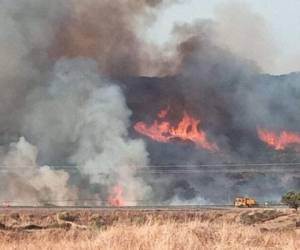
[66, 217]
[15, 216]
[292, 199]
[97, 222]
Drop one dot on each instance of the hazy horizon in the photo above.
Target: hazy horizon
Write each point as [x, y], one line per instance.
[280, 18]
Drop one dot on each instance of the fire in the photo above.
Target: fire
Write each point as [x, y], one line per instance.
[116, 199]
[279, 141]
[188, 128]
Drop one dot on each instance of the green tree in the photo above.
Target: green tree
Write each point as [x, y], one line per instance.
[292, 199]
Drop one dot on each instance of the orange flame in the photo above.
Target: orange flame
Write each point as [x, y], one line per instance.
[278, 141]
[187, 129]
[116, 199]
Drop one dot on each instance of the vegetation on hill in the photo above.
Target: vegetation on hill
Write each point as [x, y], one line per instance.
[292, 199]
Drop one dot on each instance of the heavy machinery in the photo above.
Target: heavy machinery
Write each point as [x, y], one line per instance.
[245, 202]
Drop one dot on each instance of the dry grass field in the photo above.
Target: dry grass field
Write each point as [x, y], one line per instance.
[159, 230]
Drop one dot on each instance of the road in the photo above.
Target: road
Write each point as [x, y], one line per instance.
[131, 208]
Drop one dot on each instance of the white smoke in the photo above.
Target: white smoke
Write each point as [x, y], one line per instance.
[27, 183]
[85, 116]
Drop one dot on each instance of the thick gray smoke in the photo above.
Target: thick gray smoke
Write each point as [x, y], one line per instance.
[69, 70]
[27, 30]
[81, 119]
[66, 109]
[232, 99]
[109, 32]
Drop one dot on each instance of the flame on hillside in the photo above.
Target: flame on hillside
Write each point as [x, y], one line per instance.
[188, 128]
[281, 140]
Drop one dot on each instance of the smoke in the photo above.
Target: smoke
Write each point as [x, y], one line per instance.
[36, 33]
[70, 84]
[53, 103]
[27, 183]
[249, 36]
[222, 85]
[27, 29]
[110, 32]
[82, 117]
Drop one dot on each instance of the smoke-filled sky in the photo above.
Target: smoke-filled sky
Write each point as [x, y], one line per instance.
[281, 19]
[81, 87]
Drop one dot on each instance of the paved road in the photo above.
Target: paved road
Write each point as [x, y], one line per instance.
[138, 208]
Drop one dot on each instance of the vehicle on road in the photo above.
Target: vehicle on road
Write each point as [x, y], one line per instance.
[245, 202]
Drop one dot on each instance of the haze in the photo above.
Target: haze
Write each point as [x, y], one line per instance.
[281, 20]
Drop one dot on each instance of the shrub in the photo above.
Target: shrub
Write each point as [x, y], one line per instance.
[292, 199]
[15, 216]
[66, 217]
[97, 222]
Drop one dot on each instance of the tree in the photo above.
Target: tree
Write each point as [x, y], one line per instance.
[292, 199]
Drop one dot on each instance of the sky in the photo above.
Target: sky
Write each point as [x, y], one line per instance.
[281, 17]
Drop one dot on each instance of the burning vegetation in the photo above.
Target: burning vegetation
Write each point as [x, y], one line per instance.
[281, 140]
[188, 128]
[78, 114]
[116, 197]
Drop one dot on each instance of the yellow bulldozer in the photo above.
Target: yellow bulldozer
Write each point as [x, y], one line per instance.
[245, 202]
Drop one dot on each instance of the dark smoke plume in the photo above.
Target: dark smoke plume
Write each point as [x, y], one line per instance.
[232, 98]
[109, 32]
[71, 90]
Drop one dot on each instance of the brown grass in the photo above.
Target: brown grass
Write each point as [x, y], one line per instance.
[158, 236]
[208, 231]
